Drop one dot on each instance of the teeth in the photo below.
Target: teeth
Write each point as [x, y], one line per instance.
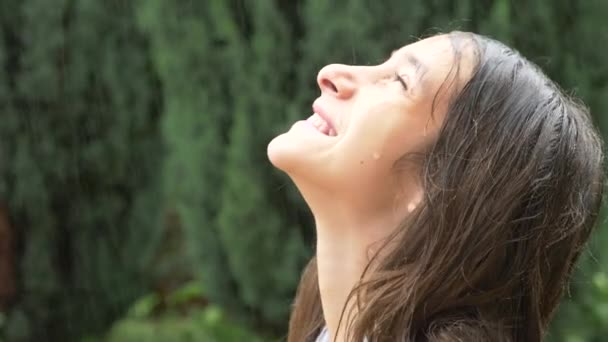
[317, 122]
[322, 125]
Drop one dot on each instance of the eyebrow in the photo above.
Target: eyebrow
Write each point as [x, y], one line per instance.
[415, 61]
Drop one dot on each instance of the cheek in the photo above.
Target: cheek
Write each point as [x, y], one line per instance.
[390, 127]
[407, 134]
[376, 139]
[409, 141]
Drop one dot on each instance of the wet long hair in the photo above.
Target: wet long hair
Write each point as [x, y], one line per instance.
[512, 188]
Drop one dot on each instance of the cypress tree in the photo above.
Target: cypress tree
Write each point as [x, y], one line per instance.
[265, 252]
[79, 178]
[193, 45]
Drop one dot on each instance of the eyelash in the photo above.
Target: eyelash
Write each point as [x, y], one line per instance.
[401, 80]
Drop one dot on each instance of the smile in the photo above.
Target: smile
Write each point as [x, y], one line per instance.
[321, 125]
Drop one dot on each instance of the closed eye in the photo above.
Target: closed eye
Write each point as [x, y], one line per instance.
[401, 80]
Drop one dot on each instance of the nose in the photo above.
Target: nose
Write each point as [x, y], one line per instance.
[337, 80]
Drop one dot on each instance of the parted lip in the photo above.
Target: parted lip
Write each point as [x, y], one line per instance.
[316, 108]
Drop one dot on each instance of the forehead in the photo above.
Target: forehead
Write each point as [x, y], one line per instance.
[427, 51]
[435, 58]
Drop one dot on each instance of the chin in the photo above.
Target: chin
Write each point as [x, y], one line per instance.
[305, 156]
[281, 154]
[289, 154]
[295, 157]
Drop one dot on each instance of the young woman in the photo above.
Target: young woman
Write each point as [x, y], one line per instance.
[452, 186]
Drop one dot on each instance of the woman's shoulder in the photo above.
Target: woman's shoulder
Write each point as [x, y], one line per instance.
[455, 330]
[323, 335]
[466, 330]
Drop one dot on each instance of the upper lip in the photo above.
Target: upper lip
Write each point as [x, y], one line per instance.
[316, 107]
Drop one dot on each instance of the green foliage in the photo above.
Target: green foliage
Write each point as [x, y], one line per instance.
[133, 140]
[248, 219]
[216, 173]
[80, 141]
[177, 322]
[195, 120]
[204, 325]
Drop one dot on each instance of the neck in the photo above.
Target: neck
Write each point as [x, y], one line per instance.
[343, 252]
[348, 233]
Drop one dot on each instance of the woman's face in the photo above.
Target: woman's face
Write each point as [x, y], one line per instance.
[368, 117]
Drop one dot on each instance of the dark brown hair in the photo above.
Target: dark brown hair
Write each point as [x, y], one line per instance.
[512, 189]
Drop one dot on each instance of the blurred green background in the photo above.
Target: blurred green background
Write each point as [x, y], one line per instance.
[136, 199]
